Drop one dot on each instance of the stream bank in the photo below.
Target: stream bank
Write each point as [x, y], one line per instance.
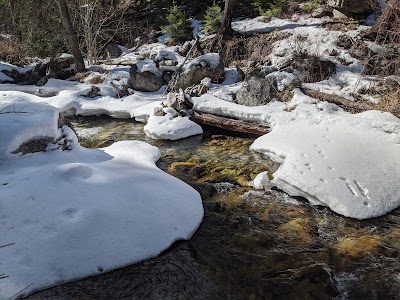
[251, 244]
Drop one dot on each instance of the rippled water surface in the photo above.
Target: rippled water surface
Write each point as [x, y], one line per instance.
[251, 244]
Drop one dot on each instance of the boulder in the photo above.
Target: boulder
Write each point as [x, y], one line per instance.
[59, 67]
[113, 51]
[146, 81]
[351, 8]
[257, 89]
[323, 11]
[209, 65]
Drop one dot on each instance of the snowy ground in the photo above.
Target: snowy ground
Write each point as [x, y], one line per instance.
[75, 214]
[69, 215]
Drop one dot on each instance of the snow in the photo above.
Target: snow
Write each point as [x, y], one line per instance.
[262, 181]
[148, 65]
[330, 157]
[348, 163]
[213, 60]
[69, 215]
[169, 127]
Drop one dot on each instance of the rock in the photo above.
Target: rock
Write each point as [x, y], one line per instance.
[257, 89]
[159, 111]
[184, 49]
[33, 146]
[176, 100]
[59, 67]
[333, 52]
[241, 75]
[351, 8]
[145, 81]
[93, 93]
[323, 11]
[42, 144]
[42, 81]
[199, 69]
[197, 90]
[167, 75]
[338, 15]
[113, 51]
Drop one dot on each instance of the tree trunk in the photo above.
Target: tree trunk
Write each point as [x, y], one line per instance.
[230, 124]
[72, 37]
[226, 29]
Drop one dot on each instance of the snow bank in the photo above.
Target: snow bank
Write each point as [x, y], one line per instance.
[148, 65]
[348, 163]
[69, 215]
[170, 128]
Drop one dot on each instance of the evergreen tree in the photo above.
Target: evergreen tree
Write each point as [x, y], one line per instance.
[177, 27]
[212, 19]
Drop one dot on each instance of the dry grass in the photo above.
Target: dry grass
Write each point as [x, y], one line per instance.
[12, 52]
[96, 80]
[80, 76]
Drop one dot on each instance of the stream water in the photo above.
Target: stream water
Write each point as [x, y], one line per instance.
[251, 244]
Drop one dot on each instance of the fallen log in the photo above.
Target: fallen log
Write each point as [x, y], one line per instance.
[348, 105]
[230, 124]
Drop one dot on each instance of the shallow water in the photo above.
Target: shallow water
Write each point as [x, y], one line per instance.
[251, 244]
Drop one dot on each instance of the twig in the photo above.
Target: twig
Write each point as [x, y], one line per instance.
[3, 246]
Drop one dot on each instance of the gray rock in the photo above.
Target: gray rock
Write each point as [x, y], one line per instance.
[323, 11]
[159, 112]
[145, 81]
[93, 93]
[257, 89]
[175, 100]
[198, 71]
[351, 8]
[58, 67]
[332, 52]
[113, 51]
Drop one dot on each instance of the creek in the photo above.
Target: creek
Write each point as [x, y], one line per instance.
[251, 244]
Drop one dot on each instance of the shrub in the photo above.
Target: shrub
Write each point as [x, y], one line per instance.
[311, 5]
[177, 27]
[212, 19]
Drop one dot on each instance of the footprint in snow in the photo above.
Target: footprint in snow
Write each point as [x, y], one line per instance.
[357, 189]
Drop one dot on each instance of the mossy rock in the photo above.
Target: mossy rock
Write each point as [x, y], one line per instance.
[297, 231]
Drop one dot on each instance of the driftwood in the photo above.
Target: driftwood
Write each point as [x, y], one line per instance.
[230, 124]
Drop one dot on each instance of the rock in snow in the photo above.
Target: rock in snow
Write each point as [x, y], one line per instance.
[69, 215]
[169, 127]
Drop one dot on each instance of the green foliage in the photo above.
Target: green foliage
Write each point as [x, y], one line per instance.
[212, 19]
[177, 27]
[311, 5]
[275, 9]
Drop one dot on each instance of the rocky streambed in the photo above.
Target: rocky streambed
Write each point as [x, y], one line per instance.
[251, 244]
